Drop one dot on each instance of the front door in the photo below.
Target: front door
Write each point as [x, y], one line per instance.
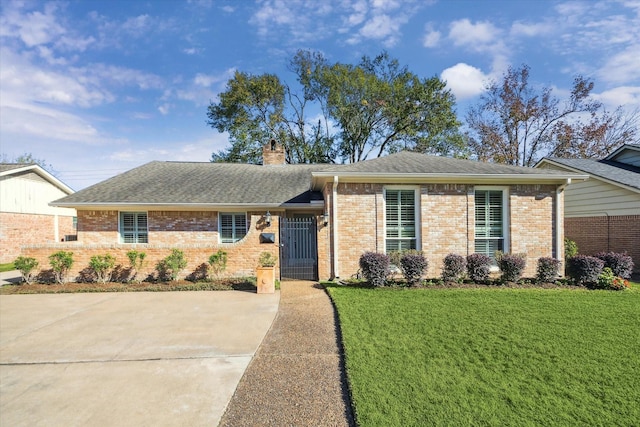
[298, 248]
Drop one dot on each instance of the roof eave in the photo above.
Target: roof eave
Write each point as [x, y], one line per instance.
[186, 206]
[447, 178]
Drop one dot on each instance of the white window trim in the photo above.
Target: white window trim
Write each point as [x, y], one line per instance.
[506, 210]
[418, 219]
[246, 219]
[120, 226]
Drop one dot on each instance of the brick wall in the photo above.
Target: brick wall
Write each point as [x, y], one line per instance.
[602, 233]
[17, 230]
[447, 223]
[197, 244]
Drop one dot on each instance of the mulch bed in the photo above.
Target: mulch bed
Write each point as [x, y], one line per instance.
[241, 284]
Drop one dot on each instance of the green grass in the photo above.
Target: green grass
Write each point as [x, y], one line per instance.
[7, 267]
[491, 357]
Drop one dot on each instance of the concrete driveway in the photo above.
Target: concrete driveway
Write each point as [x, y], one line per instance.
[126, 359]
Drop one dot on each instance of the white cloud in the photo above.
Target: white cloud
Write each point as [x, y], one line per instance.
[622, 67]
[464, 33]
[627, 96]
[192, 50]
[519, 28]
[465, 81]
[431, 37]
[164, 109]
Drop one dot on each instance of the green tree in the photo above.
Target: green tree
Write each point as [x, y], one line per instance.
[368, 109]
[517, 124]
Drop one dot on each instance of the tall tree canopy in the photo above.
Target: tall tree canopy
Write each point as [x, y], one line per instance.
[516, 124]
[360, 111]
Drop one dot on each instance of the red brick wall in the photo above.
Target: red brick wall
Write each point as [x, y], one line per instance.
[17, 230]
[610, 234]
[242, 255]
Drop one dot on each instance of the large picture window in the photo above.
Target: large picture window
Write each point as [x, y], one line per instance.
[233, 227]
[490, 224]
[400, 220]
[133, 227]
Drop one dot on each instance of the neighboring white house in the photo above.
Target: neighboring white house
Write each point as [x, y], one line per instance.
[25, 215]
[603, 213]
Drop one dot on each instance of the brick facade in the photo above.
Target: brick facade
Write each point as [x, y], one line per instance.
[195, 233]
[445, 211]
[19, 229]
[606, 233]
[447, 222]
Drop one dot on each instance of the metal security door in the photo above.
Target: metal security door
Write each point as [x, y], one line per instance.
[298, 249]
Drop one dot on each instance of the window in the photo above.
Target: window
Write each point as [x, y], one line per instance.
[133, 227]
[400, 220]
[490, 222]
[233, 227]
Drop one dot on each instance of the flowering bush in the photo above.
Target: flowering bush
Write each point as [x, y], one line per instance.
[375, 267]
[478, 267]
[608, 280]
[454, 268]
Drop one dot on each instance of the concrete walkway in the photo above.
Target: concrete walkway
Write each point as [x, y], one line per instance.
[7, 277]
[296, 378]
[126, 359]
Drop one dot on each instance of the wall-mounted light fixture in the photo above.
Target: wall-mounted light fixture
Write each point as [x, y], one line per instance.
[324, 218]
[267, 218]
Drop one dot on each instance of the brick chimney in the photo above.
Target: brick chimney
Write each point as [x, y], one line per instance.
[273, 153]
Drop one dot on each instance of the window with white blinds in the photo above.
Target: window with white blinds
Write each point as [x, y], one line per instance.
[400, 220]
[133, 227]
[233, 227]
[490, 222]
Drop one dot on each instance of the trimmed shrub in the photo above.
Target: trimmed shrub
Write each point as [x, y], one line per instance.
[511, 266]
[620, 263]
[454, 268]
[267, 259]
[478, 267]
[584, 269]
[61, 262]
[375, 267]
[217, 263]
[102, 265]
[170, 267]
[548, 269]
[137, 262]
[413, 264]
[26, 266]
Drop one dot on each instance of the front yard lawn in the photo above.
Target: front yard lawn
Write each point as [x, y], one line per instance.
[491, 357]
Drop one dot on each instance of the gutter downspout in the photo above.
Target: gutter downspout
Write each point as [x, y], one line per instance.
[334, 234]
[559, 243]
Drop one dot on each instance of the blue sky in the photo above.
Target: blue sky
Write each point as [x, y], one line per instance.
[96, 88]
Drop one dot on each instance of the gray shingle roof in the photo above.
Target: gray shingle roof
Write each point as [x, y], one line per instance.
[610, 170]
[406, 162]
[4, 167]
[173, 183]
[201, 183]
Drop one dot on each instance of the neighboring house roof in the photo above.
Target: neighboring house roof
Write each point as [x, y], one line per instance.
[225, 184]
[16, 169]
[611, 171]
[623, 148]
